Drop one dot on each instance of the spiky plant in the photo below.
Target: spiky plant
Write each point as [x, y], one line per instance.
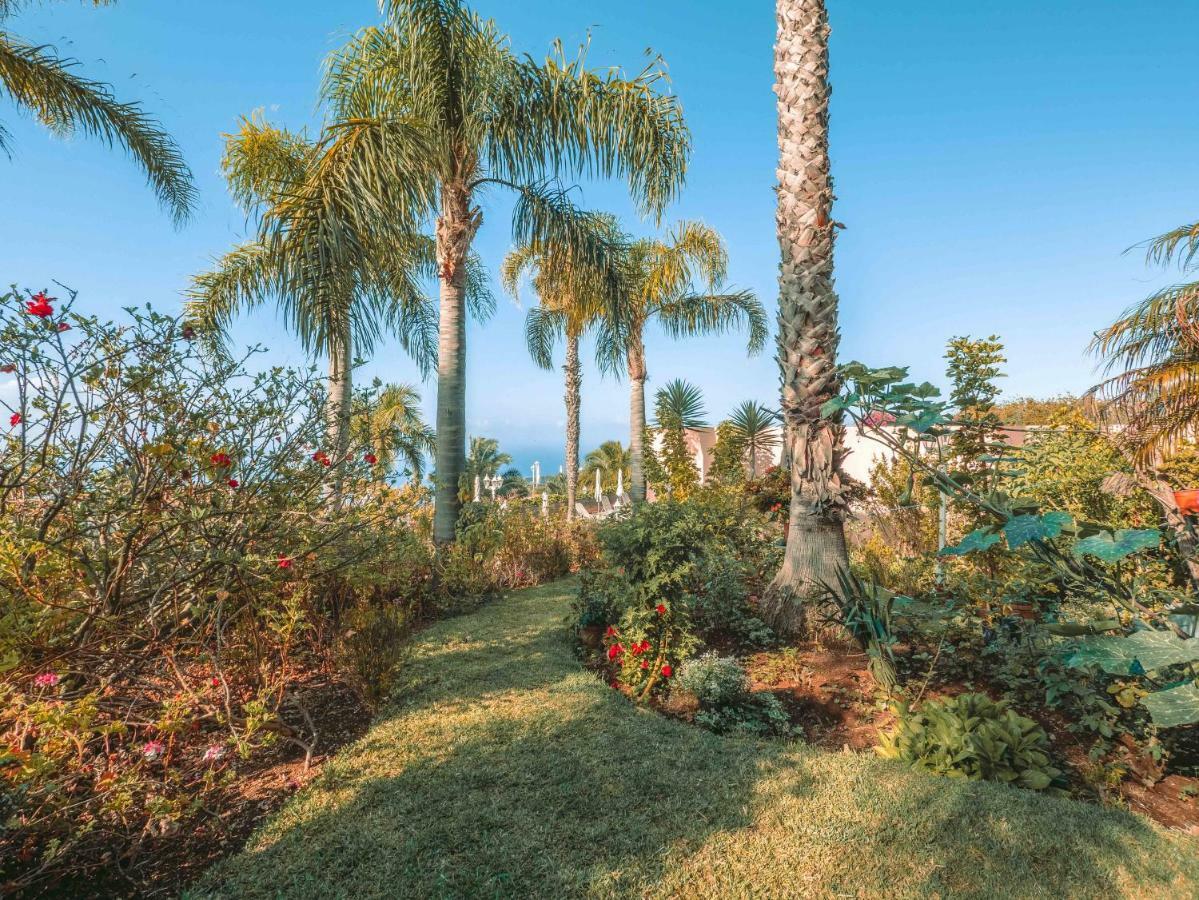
[490, 119]
[46, 85]
[816, 554]
[756, 430]
[679, 282]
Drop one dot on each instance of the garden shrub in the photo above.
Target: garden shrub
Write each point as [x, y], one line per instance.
[726, 704]
[974, 737]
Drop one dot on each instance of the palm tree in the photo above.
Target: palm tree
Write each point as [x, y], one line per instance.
[676, 281]
[572, 299]
[483, 117]
[46, 85]
[340, 281]
[680, 405]
[608, 459]
[485, 460]
[756, 430]
[816, 559]
[390, 425]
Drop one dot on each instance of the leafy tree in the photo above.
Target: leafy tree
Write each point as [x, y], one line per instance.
[678, 406]
[608, 459]
[974, 366]
[479, 117]
[388, 422]
[1034, 411]
[816, 558]
[679, 282]
[47, 86]
[728, 457]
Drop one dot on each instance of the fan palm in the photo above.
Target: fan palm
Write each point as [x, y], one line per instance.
[487, 118]
[676, 281]
[816, 559]
[391, 425]
[47, 85]
[571, 300]
[609, 458]
[756, 430]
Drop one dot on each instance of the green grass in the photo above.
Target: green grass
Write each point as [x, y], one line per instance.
[505, 770]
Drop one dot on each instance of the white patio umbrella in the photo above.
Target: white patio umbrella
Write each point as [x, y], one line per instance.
[598, 491]
[620, 482]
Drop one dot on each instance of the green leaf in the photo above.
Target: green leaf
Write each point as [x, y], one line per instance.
[831, 407]
[1173, 707]
[1112, 548]
[980, 539]
[1082, 629]
[1122, 655]
[922, 421]
[1022, 529]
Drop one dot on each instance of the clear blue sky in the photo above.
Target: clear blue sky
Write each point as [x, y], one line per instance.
[993, 162]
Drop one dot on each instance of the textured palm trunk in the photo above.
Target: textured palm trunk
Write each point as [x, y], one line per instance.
[456, 228]
[337, 403]
[808, 336]
[574, 381]
[637, 421]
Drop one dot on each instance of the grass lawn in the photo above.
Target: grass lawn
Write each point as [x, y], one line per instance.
[505, 770]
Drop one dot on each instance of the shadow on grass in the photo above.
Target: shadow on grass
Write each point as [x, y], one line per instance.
[507, 771]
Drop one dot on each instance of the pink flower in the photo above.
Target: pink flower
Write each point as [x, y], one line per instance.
[46, 679]
[213, 753]
[877, 418]
[39, 306]
[153, 750]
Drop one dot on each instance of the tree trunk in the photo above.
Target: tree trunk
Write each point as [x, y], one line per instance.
[341, 389]
[636, 420]
[808, 336]
[456, 228]
[574, 379]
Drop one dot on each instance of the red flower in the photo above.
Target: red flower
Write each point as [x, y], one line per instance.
[615, 650]
[611, 632]
[221, 460]
[370, 459]
[640, 648]
[661, 609]
[63, 326]
[878, 418]
[321, 457]
[8, 368]
[15, 419]
[216, 682]
[667, 671]
[39, 306]
[645, 663]
[284, 562]
[233, 482]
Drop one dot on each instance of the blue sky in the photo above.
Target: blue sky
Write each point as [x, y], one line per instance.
[993, 163]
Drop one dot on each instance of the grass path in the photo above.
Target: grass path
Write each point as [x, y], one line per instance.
[504, 770]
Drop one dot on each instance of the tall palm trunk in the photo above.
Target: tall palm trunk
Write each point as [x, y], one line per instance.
[456, 228]
[574, 380]
[808, 335]
[636, 419]
[337, 403]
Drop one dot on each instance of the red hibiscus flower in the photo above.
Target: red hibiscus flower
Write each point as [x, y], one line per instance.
[233, 482]
[645, 663]
[370, 459]
[611, 632]
[15, 419]
[614, 651]
[220, 460]
[321, 457]
[39, 306]
[284, 562]
[667, 671]
[661, 609]
[63, 326]
[8, 368]
[216, 682]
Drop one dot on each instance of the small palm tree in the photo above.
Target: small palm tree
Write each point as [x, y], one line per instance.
[46, 85]
[480, 117]
[609, 458]
[756, 429]
[678, 282]
[680, 405]
[390, 425]
[484, 460]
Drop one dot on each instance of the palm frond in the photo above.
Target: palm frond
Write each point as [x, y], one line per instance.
[696, 314]
[679, 404]
[43, 83]
[543, 327]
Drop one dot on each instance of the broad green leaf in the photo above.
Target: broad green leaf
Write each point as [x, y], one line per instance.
[922, 421]
[1173, 707]
[831, 407]
[1019, 530]
[1147, 650]
[1112, 548]
[980, 539]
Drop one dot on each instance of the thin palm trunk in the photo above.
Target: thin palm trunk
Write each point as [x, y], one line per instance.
[574, 381]
[455, 230]
[807, 341]
[337, 404]
[636, 420]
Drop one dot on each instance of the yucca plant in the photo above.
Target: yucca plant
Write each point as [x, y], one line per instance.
[756, 430]
[46, 85]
